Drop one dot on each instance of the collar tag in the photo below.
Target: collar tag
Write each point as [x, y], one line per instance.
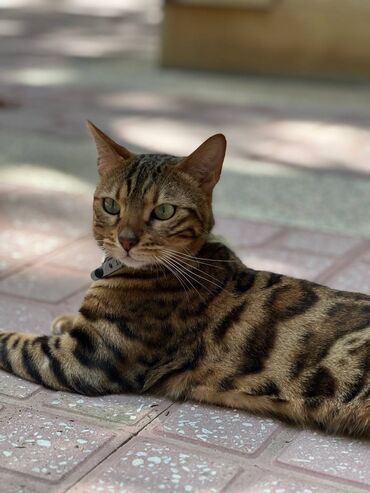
[107, 268]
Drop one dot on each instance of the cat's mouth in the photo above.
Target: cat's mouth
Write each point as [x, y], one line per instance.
[131, 260]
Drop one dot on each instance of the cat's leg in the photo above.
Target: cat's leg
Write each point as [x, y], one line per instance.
[80, 361]
[63, 323]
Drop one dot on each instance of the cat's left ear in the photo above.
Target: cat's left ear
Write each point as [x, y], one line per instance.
[110, 154]
[205, 163]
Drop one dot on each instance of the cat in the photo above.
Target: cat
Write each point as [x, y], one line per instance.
[184, 318]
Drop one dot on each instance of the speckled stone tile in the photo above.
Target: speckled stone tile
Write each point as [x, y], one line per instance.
[340, 458]
[25, 316]
[228, 429]
[71, 304]
[296, 264]
[46, 447]
[45, 283]
[276, 483]
[151, 466]
[318, 243]
[243, 233]
[9, 483]
[355, 277]
[82, 255]
[24, 245]
[13, 386]
[129, 410]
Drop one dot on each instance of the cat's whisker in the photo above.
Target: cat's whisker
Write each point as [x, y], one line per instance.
[192, 275]
[208, 277]
[195, 259]
[177, 274]
[184, 275]
[193, 267]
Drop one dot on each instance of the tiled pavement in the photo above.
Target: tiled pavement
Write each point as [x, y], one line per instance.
[56, 442]
[297, 164]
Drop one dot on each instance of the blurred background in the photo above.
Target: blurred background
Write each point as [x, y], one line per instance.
[287, 82]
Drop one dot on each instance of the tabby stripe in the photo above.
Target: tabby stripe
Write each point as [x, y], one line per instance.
[230, 318]
[185, 233]
[267, 388]
[55, 364]
[245, 280]
[84, 388]
[121, 324]
[83, 339]
[30, 366]
[87, 312]
[85, 351]
[187, 365]
[320, 384]
[359, 384]
[273, 280]
[310, 354]
[308, 299]
[366, 395]
[4, 355]
[259, 342]
[15, 342]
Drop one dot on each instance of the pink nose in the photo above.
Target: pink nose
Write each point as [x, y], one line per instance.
[128, 244]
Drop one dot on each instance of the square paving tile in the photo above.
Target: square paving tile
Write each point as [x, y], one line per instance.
[82, 255]
[319, 243]
[47, 212]
[24, 245]
[238, 232]
[45, 282]
[13, 386]
[44, 446]
[25, 316]
[336, 457]
[355, 277]
[9, 483]
[7, 265]
[127, 410]
[276, 483]
[227, 429]
[153, 466]
[296, 264]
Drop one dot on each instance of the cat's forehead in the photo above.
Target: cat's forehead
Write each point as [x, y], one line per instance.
[143, 172]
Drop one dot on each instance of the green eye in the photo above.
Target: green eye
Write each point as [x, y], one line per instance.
[164, 211]
[111, 206]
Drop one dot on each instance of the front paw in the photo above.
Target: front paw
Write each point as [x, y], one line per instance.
[62, 324]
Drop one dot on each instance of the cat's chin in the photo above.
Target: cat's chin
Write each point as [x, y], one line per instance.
[133, 263]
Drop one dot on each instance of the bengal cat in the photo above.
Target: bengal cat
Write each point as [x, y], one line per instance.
[184, 318]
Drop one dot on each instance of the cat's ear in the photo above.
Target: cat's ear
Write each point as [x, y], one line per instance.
[205, 163]
[110, 154]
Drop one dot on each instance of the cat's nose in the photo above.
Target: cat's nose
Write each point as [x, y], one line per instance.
[128, 239]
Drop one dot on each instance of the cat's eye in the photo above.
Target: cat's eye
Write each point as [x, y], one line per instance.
[164, 211]
[111, 206]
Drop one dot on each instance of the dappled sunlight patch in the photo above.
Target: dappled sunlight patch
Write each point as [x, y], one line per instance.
[43, 178]
[160, 134]
[11, 27]
[313, 143]
[41, 76]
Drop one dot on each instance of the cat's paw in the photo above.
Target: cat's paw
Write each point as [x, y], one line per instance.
[62, 324]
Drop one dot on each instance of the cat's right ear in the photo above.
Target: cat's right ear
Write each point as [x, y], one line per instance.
[110, 154]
